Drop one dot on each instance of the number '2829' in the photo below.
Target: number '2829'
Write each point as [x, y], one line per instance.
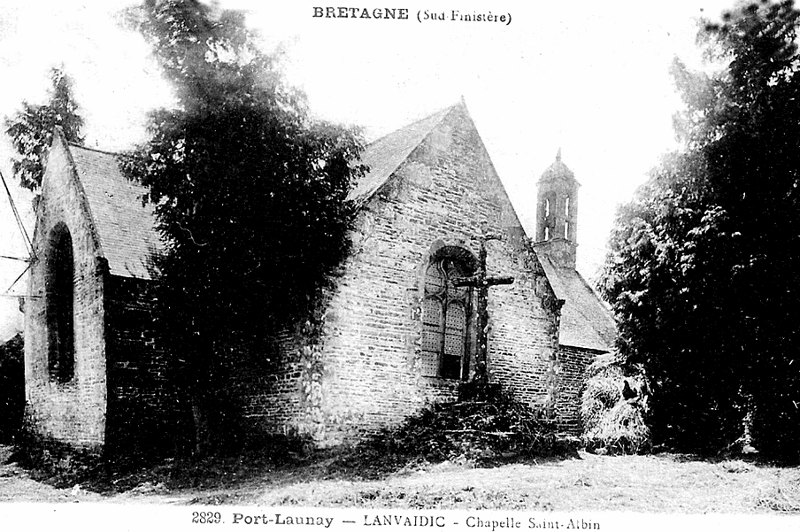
[206, 517]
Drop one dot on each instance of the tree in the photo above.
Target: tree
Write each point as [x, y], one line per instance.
[664, 278]
[703, 264]
[31, 129]
[249, 192]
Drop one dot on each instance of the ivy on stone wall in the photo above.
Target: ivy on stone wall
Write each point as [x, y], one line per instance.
[249, 193]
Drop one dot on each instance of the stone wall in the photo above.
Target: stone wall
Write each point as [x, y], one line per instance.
[365, 374]
[355, 372]
[572, 377]
[143, 407]
[271, 390]
[72, 412]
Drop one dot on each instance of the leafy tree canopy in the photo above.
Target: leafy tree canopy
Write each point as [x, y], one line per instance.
[250, 190]
[703, 263]
[31, 129]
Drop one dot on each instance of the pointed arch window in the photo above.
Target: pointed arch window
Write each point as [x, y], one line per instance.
[445, 320]
[546, 207]
[566, 206]
[59, 304]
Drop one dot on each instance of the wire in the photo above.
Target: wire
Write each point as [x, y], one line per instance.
[20, 225]
[22, 259]
[28, 267]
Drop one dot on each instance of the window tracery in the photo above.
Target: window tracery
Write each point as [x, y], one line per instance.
[445, 320]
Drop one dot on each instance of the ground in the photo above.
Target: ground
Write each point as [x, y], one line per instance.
[655, 483]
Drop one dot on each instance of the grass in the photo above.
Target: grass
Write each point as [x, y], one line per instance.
[480, 452]
[655, 483]
[658, 483]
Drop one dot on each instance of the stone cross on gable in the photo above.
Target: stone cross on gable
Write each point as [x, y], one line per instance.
[482, 282]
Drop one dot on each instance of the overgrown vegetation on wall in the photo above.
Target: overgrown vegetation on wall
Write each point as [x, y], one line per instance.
[250, 194]
[484, 425]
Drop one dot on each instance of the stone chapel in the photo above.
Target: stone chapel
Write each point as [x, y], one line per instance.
[397, 332]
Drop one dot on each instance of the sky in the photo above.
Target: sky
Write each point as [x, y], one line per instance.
[591, 78]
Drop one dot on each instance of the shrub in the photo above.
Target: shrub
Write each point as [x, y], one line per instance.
[483, 425]
[614, 408]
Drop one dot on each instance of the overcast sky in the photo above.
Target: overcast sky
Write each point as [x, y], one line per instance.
[589, 77]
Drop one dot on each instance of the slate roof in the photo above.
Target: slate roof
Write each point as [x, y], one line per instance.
[585, 321]
[125, 227]
[385, 155]
[128, 236]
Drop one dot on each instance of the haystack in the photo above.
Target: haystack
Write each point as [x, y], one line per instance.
[614, 407]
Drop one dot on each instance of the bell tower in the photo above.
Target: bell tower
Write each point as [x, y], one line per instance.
[557, 214]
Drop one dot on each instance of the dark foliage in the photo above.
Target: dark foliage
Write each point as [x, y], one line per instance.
[704, 262]
[12, 388]
[484, 425]
[250, 197]
[31, 129]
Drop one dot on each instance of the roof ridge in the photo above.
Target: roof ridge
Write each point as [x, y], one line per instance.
[97, 150]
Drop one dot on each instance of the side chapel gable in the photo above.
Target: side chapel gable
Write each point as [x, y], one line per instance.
[121, 226]
[60, 180]
[65, 347]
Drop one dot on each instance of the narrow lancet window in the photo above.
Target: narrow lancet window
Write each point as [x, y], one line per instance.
[60, 306]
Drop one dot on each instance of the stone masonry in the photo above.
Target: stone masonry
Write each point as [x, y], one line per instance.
[73, 412]
[365, 373]
[120, 397]
[430, 196]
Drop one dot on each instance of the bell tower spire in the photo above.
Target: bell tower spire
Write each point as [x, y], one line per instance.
[557, 214]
